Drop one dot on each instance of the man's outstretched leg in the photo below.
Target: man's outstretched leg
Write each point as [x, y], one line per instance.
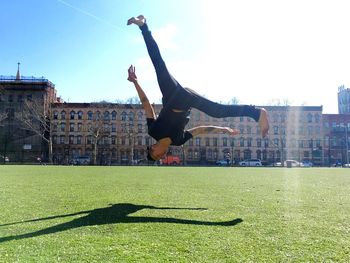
[167, 84]
[217, 110]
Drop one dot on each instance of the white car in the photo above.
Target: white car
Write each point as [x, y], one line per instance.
[293, 163]
[250, 162]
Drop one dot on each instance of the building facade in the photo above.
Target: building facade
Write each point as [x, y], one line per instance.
[336, 138]
[117, 134]
[343, 100]
[19, 142]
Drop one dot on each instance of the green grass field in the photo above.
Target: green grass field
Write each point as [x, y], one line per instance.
[163, 214]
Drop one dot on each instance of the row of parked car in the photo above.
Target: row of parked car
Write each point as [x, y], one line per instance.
[257, 163]
[248, 162]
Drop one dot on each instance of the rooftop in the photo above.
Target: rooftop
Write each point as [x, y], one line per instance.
[23, 79]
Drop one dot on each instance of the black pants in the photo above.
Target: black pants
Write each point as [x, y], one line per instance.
[177, 97]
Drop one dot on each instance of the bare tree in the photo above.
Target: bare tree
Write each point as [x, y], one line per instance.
[279, 102]
[98, 129]
[133, 100]
[232, 101]
[35, 116]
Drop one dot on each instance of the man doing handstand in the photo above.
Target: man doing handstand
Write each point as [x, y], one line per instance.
[169, 127]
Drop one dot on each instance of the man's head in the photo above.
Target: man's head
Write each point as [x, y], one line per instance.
[156, 151]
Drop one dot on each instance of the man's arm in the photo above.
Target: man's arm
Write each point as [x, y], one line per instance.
[212, 129]
[143, 98]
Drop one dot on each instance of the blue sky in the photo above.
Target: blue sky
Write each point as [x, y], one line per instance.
[256, 51]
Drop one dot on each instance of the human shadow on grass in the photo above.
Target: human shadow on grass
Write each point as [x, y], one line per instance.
[113, 214]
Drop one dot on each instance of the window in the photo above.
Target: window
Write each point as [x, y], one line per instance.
[89, 140]
[190, 154]
[55, 115]
[198, 141]
[131, 116]
[275, 130]
[106, 116]
[276, 142]
[249, 130]
[317, 118]
[283, 130]
[63, 126]
[71, 139]
[139, 140]
[80, 115]
[79, 139]
[318, 143]
[113, 140]
[266, 143]
[215, 142]
[224, 142]
[207, 142]
[148, 141]
[249, 142]
[20, 98]
[114, 127]
[80, 127]
[241, 142]
[283, 118]
[140, 116]
[311, 143]
[123, 116]
[309, 118]
[90, 115]
[98, 115]
[210, 154]
[63, 115]
[62, 139]
[258, 143]
[10, 98]
[71, 127]
[114, 115]
[233, 142]
[123, 127]
[139, 128]
[72, 114]
[196, 154]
